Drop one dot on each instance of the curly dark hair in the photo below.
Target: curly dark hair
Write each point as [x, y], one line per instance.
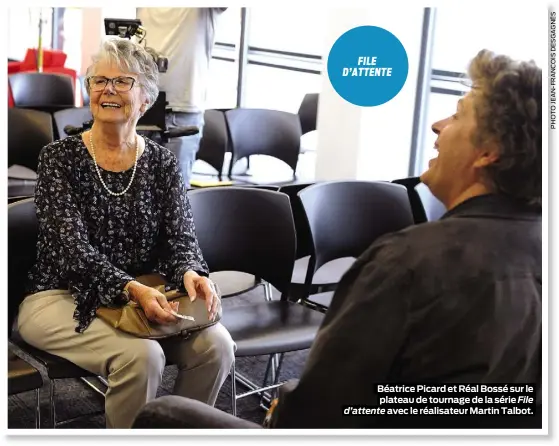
[508, 109]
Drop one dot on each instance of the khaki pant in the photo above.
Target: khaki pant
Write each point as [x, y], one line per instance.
[132, 366]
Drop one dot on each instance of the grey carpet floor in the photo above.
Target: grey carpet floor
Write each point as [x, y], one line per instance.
[74, 398]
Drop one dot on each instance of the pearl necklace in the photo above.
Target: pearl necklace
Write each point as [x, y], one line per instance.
[115, 194]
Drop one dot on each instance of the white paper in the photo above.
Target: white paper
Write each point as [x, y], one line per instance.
[181, 316]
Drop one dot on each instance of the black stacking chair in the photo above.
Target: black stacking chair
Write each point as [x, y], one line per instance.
[84, 91]
[264, 132]
[304, 241]
[234, 283]
[252, 231]
[75, 117]
[434, 209]
[417, 208]
[48, 92]
[424, 205]
[23, 377]
[345, 218]
[22, 245]
[153, 122]
[28, 132]
[308, 111]
[261, 186]
[214, 141]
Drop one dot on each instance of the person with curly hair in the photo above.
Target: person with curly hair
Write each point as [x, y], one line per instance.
[454, 301]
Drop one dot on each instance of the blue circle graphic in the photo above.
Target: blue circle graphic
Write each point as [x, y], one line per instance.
[367, 66]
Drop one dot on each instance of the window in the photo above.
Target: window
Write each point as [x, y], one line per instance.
[460, 32]
[24, 30]
[285, 46]
[222, 85]
[299, 30]
[228, 26]
[277, 88]
[223, 74]
[440, 106]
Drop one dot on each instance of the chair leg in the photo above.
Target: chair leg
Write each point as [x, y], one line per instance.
[233, 390]
[52, 405]
[270, 369]
[275, 361]
[268, 291]
[38, 409]
[265, 380]
[276, 380]
[268, 298]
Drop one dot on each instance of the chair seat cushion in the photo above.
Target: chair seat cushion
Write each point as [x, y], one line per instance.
[20, 188]
[57, 367]
[22, 376]
[330, 273]
[231, 283]
[323, 299]
[271, 327]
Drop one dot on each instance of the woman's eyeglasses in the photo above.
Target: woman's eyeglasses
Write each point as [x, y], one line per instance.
[121, 83]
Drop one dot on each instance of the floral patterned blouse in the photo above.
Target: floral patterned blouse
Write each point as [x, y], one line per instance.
[93, 243]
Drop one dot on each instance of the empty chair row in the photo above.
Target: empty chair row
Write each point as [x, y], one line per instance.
[244, 132]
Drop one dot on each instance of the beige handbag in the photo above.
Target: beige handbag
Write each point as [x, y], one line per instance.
[131, 318]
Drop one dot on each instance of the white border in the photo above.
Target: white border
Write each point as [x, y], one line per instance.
[28, 436]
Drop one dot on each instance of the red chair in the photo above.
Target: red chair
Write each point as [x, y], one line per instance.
[10, 97]
[14, 67]
[53, 62]
[51, 58]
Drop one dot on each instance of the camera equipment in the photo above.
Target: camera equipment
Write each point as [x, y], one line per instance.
[128, 28]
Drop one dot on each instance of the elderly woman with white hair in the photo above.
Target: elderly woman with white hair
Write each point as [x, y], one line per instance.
[112, 206]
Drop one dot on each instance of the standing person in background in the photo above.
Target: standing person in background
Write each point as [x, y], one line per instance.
[186, 37]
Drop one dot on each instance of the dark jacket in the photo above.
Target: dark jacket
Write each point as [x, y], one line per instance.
[453, 301]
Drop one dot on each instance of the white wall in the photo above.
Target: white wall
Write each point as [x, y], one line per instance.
[93, 29]
[92, 32]
[368, 143]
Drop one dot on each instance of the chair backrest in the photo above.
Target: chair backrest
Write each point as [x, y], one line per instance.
[308, 111]
[261, 186]
[51, 58]
[346, 217]
[424, 205]
[41, 90]
[28, 132]
[75, 116]
[419, 215]
[83, 91]
[246, 230]
[214, 142]
[264, 132]
[155, 116]
[434, 209]
[304, 238]
[23, 229]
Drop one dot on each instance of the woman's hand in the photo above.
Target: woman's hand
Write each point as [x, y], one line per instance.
[154, 303]
[195, 283]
